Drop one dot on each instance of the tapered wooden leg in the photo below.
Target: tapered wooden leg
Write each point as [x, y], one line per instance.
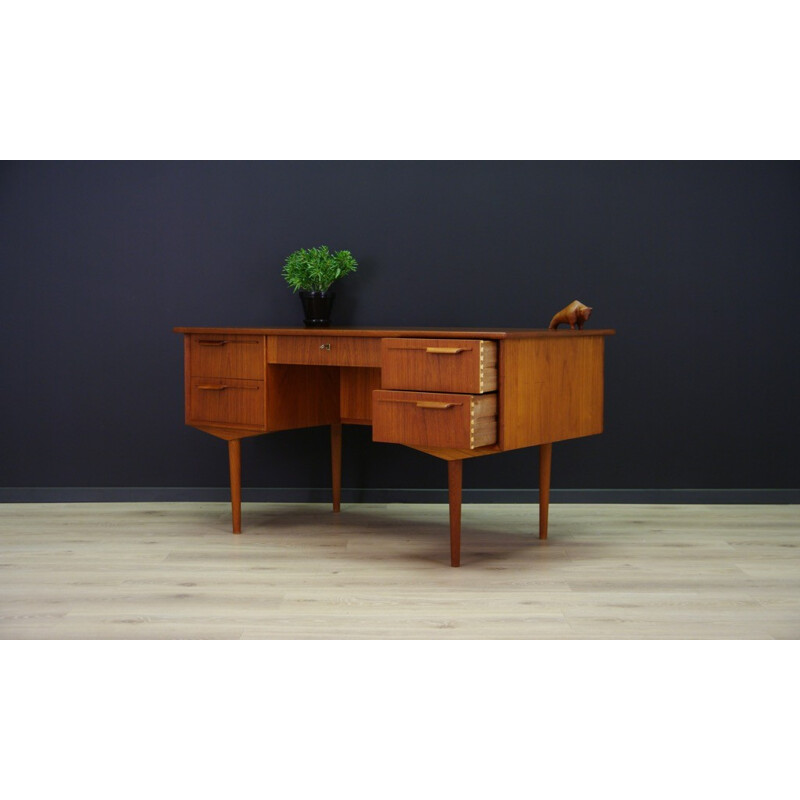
[235, 463]
[336, 463]
[545, 460]
[454, 476]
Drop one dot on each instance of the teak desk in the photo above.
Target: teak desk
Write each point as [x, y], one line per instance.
[453, 393]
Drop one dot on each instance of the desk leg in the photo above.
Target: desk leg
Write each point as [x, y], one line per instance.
[545, 461]
[336, 463]
[235, 463]
[454, 477]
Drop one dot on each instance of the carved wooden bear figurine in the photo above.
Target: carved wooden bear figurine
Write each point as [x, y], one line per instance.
[576, 313]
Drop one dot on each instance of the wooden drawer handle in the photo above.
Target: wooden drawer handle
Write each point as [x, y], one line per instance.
[418, 403]
[207, 387]
[445, 351]
[220, 342]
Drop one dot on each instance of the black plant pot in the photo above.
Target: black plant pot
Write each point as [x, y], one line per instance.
[317, 308]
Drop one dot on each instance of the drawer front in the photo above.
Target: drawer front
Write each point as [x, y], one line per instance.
[332, 351]
[439, 365]
[426, 419]
[227, 356]
[227, 402]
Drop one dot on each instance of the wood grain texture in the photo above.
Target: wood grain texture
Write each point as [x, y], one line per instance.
[428, 419]
[455, 472]
[441, 333]
[356, 385]
[227, 402]
[302, 397]
[235, 468]
[439, 365]
[341, 351]
[173, 571]
[545, 464]
[187, 378]
[456, 454]
[552, 389]
[228, 356]
[228, 433]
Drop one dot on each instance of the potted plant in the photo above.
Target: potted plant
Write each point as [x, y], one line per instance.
[311, 272]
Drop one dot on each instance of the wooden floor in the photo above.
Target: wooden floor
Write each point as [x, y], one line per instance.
[173, 570]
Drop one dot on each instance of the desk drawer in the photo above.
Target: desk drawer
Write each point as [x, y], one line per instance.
[425, 419]
[227, 402]
[227, 356]
[439, 365]
[332, 351]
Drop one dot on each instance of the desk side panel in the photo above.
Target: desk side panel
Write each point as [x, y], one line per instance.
[550, 390]
[187, 377]
[356, 386]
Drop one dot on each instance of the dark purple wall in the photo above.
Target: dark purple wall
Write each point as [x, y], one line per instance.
[697, 266]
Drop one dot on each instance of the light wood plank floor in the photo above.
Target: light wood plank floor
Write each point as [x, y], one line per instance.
[173, 570]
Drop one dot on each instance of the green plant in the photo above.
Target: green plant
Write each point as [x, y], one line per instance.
[315, 269]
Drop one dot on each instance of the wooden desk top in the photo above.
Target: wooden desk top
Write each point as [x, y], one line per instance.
[435, 333]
